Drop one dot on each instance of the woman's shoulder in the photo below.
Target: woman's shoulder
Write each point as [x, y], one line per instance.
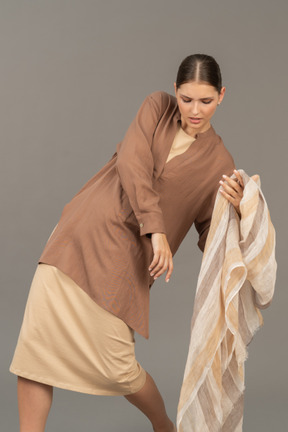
[160, 94]
[223, 157]
[162, 99]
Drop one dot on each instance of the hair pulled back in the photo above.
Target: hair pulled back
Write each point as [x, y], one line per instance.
[199, 67]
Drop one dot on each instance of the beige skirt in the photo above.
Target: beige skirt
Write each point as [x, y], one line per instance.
[68, 341]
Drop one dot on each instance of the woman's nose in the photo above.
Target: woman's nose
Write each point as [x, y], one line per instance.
[195, 108]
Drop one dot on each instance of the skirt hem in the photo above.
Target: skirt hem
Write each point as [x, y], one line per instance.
[74, 388]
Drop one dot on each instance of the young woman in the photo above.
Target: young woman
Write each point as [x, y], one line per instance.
[90, 291]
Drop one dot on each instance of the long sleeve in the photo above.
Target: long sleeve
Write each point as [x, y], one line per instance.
[135, 166]
[203, 220]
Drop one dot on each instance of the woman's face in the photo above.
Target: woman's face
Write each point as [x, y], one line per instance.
[197, 102]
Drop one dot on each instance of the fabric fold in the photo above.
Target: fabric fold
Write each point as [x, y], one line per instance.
[237, 278]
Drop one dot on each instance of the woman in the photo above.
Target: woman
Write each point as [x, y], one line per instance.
[118, 235]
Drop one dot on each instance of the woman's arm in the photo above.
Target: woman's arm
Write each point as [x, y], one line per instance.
[232, 190]
[203, 220]
[135, 166]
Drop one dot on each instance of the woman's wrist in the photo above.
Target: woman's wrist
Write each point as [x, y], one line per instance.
[237, 209]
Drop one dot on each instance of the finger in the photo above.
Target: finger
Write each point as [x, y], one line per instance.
[231, 191]
[229, 198]
[170, 269]
[158, 267]
[155, 261]
[233, 184]
[239, 177]
[163, 268]
[235, 203]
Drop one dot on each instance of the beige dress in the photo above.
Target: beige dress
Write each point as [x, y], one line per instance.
[68, 341]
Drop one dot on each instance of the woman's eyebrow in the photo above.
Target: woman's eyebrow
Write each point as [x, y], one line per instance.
[204, 98]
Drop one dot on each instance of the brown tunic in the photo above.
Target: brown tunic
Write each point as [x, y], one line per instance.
[102, 238]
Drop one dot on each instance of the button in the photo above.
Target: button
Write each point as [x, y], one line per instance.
[141, 225]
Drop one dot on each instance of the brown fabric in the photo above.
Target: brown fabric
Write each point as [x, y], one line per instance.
[102, 238]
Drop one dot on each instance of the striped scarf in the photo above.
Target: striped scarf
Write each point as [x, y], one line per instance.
[236, 279]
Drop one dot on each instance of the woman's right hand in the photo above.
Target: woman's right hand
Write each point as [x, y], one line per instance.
[162, 259]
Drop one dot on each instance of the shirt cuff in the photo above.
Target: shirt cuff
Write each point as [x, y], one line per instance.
[151, 224]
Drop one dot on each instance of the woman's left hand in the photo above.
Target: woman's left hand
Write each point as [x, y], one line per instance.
[233, 190]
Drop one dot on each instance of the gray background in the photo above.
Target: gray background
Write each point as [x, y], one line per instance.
[73, 74]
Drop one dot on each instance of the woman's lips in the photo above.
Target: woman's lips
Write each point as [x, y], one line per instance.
[195, 120]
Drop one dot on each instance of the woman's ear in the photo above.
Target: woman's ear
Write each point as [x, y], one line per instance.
[175, 88]
[221, 94]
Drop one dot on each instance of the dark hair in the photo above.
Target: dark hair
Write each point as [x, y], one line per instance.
[199, 67]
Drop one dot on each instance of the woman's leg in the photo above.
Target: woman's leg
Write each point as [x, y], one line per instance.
[34, 403]
[150, 402]
[35, 399]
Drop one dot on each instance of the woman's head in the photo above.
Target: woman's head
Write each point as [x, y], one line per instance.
[200, 68]
[198, 89]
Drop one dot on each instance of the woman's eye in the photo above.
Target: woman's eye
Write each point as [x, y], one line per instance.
[206, 102]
